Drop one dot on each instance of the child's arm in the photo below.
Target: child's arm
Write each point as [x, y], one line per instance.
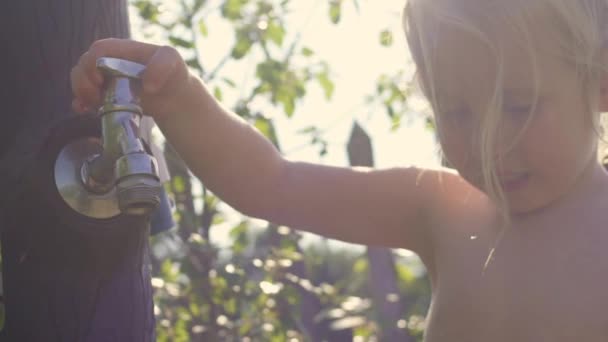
[243, 168]
[382, 207]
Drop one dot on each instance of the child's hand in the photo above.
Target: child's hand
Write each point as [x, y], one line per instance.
[164, 80]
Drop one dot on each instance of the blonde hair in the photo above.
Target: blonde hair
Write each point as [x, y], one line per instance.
[579, 30]
[579, 27]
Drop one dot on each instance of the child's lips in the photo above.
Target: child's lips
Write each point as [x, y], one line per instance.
[514, 182]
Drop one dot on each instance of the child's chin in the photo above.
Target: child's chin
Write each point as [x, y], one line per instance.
[524, 207]
[519, 209]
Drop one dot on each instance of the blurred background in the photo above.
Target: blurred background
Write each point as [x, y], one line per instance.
[312, 75]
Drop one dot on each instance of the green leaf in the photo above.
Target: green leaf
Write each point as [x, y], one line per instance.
[218, 219]
[243, 110]
[430, 124]
[194, 307]
[202, 28]
[217, 92]
[242, 46]
[230, 306]
[245, 327]
[147, 10]
[287, 99]
[197, 5]
[179, 184]
[275, 33]
[405, 274]
[323, 149]
[232, 9]
[239, 237]
[271, 72]
[360, 265]
[176, 41]
[307, 52]
[326, 83]
[386, 38]
[307, 130]
[395, 123]
[169, 271]
[229, 82]
[181, 332]
[390, 110]
[193, 62]
[335, 9]
[265, 126]
[290, 107]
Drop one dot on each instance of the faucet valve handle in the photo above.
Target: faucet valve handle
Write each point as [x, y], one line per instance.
[122, 85]
[120, 67]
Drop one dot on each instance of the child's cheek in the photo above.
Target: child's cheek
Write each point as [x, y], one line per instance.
[456, 146]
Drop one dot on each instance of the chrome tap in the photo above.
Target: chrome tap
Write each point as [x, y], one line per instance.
[120, 176]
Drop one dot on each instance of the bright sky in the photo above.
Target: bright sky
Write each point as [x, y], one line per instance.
[356, 59]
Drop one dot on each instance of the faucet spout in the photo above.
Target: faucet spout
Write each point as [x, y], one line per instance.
[119, 138]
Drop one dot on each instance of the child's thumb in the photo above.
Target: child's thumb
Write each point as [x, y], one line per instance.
[159, 69]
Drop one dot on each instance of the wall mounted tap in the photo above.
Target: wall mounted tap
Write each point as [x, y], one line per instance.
[102, 178]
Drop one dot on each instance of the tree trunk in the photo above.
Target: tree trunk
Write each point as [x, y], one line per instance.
[61, 282]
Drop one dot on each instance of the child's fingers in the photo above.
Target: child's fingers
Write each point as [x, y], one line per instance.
[128, 49]
[83, 88]
[87, 80]
[88, 64]
[160, 68]
[79, 107]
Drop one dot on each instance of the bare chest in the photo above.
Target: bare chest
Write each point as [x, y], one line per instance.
[536, 287]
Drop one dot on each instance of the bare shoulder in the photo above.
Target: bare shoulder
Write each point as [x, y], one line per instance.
[448, 193]
[456, 212]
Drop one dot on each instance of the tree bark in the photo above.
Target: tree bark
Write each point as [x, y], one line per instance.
[62, 280]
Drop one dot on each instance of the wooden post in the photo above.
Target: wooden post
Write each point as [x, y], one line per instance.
[60, 283]
[382, 277]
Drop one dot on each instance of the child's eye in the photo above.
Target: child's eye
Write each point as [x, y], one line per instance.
[457, 113]
[518, 110]
[458, 118]
[460, 114]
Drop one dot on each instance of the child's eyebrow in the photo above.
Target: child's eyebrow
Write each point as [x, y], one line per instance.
[517, 91]
[514, 90]
[509, 93]
[521, 92]
[442, 96]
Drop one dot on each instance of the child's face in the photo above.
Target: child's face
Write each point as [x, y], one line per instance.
[559, 144]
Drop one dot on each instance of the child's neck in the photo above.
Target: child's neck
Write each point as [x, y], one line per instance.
[592, 183]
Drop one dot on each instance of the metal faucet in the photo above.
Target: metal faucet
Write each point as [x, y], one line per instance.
[123, 175]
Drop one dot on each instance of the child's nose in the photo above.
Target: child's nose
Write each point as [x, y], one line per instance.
[503, 141]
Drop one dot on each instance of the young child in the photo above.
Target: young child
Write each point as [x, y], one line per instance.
[515, 240]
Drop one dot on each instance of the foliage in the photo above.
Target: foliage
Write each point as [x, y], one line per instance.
[263, 286]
